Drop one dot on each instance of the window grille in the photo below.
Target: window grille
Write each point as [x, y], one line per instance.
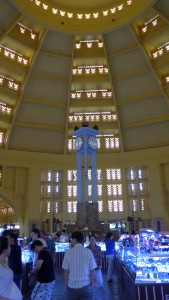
[137, 189]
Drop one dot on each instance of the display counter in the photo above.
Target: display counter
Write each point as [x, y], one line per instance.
[27, 261]
[61, 248]
[143, 275]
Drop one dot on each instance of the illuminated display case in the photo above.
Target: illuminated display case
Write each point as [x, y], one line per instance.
[62, 247]
[27, 255]
[146, 267]
[101, 244]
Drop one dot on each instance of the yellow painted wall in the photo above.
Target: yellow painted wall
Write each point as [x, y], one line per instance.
[22, 174]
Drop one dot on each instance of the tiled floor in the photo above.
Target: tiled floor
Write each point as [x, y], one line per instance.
[112, 290]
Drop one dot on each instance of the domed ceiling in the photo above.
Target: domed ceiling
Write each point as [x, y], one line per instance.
[61, 65]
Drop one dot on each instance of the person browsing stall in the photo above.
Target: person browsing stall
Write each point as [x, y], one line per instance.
[110, 245]
[8, 289]
[99, 292]
[45, 272]
[79, 266]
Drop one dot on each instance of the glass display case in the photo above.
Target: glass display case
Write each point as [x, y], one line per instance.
[27, 255]
[146, 267]
[102, 245]
[62, 247]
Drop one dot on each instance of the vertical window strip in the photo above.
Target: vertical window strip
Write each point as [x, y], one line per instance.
[137, 187]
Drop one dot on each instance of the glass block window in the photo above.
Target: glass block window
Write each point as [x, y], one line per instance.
[51, 192]
[133, 203]
[1, 138]
[137, 173]
[113, 174]
[115, 205]
[72, 206]
[98, 143]
[100, 206]
[72, 190]
[100, 190]
[89, 190]
[48, 208]
[71, 144]
[103, 142]
[72, 175]
[1, 175]
[99, 174]
[112, 142]
[114, 189]
[56, 207]
[89, 174]
[52, 176]
[137, 189]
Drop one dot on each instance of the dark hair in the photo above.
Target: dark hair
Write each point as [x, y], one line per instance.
[36, 243]
[109, 235]
[6, 232]
[43, 232]
[58, 234]
[4, 243]
[92, 235]
[36, 231]
[13, 235]
[78, 235]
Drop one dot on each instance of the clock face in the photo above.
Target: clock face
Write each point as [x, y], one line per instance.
[92, 142]
[78, 143]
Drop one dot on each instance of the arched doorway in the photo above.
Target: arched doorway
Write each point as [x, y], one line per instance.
[8, 217]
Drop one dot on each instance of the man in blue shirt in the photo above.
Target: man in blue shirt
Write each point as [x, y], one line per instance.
[110, 245]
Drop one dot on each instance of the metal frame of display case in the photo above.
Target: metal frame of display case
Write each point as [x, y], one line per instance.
[144, 291]
[59, 255]
[135, 286]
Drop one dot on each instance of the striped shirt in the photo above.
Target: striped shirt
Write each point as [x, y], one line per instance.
[79, 261]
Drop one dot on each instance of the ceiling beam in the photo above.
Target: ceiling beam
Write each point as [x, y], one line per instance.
[123, 50]
[138, 97]
[162, 14]
[4, 32]
[143, 50]
[49, 77]
[44, 101]
[132, 73]
[40, 125]
[24, 86]
[145, 122]
[54, 54]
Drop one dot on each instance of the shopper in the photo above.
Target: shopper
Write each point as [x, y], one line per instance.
[79, 267]
[45, 272]
[110, 245]
[8, 289]
[15, 259]
[50, 242]
[99, 292]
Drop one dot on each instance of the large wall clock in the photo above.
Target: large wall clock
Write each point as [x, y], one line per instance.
[92, 142]
[78, 143]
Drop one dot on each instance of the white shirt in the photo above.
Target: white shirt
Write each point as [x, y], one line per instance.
[8, 289]
[79, 261]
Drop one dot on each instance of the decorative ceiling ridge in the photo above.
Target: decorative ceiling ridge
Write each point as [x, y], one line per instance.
[72, 21]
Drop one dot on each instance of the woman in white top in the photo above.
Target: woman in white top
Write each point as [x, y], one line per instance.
[8, 289]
